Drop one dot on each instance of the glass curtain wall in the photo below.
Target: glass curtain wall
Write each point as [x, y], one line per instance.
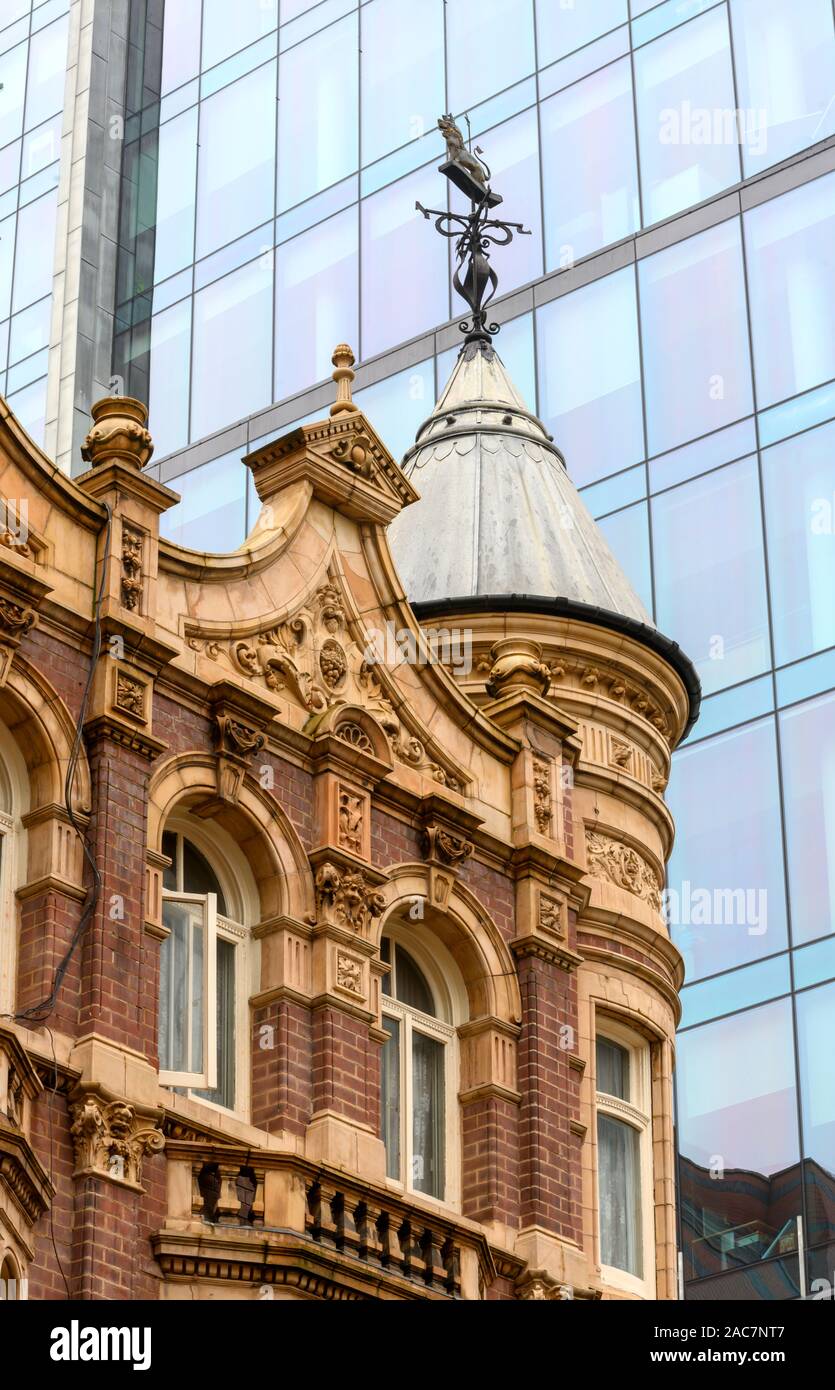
[689, 378]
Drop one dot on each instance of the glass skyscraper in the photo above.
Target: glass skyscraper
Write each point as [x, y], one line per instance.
[670, 318]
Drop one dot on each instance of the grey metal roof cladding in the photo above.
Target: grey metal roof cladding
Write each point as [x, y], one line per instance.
[498, 514]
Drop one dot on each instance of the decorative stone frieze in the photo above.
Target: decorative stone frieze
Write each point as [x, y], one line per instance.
[618, 863]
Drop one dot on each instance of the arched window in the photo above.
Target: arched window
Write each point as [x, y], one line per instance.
[419, 1076]
[10, 1282]
[624, 1156]
[204, 971]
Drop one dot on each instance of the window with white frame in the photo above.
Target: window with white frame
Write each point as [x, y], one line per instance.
[419, 1077]
[624, 1156]
[204, 984]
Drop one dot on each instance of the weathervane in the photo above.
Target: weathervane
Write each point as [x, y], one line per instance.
[475, 233]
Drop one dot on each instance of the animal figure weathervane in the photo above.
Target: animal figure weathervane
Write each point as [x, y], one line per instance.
[474, 234]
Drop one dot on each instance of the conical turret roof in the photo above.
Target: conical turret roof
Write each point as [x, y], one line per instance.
[498, 514]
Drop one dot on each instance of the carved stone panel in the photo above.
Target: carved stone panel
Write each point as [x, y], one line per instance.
[543, 801]
[111, 1139]
[132, 583]
[615, 862]
[347, 898]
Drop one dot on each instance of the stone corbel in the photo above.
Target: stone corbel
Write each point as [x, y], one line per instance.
[447, 831]
[488, 1060]
[348, 898]
[111, 1138]
[240, 720]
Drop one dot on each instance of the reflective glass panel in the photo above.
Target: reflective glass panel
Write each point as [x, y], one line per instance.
[736, 989]
[318, 113]
[47, 72]
[687, 127]
[232, 371]
[710, 573]
[12, 91]
[316, 301]
[562, 28]
[514, 161]
[34, 261]
[628, 535]
[398, 405]
[490, 45]
[224, 32]
[726, 893]
[590, 377]
[180, 44]
[402, 73]
[791, 274]
[404, 270]
[210, 516]
[177, 162]
[588, 165]
[696, 358]
[169, 388]
[807, 740]
[799, 487]
[236, 160]
[739, 1175]
[815, 1012]
[785, 67]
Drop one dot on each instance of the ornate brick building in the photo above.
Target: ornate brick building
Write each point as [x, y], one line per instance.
[331, 959]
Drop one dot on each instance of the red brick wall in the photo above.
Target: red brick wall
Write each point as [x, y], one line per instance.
[346, 1067]
[490, 1160]
[549, 1153]
[47, 926]
[282, 1066]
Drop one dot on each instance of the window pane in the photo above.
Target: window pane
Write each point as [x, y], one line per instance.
[398, 405]
[590, 377]
[226, 384]
[390, 1097]
[711, 597]
[512, 151]
[212, 514]
[697, 363]
[35, 251]
[410, 983]
[224, 1092]
[561, 28]
[807, 736]
[726, 889]
[738, 1139]
[199, 877]
[687, 126]
[588, 165]
[815, 1011]
[490, 46]
[170, 353]
[316, 294]
[181, 987]
[404, 270]
[12, 90]
[799, 487]
[319, 79]
[785, 66]
[619, 1181]
[612, 1069]
[169, 874]
[177, 162]
[47, 72]
[236, 163]
[402, 73]
[791, 273]
[180, 44]
[427, 1115]
[627, 533]
[225, 33]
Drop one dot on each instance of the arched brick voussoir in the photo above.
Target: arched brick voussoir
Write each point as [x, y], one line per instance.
[467, 931]
[259, 826]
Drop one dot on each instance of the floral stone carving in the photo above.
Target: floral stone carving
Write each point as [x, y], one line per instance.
[442, 844]
[617, 863]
